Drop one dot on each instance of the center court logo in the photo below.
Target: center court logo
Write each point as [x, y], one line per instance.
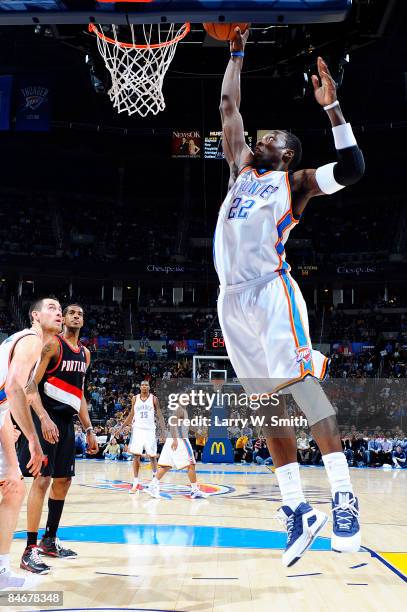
[167, 490]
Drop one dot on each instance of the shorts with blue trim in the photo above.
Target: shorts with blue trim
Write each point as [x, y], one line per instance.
[180, 458]
[266, 332]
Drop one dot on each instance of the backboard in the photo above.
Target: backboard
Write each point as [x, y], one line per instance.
[26, 12]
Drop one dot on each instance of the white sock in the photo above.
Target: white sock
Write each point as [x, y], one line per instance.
[289, 481]
[337, 470]
[194, 486]
[4, 563]
[135, 481]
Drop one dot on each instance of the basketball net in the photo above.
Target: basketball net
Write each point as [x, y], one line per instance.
[137, 68]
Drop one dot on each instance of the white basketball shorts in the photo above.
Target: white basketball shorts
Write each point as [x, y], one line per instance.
[266, 333]
[7, 430]
[143, 439]
[180, 458]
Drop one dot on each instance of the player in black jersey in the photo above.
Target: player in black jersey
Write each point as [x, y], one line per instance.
[60, 377]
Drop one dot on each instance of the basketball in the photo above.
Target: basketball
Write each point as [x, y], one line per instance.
[224, 31]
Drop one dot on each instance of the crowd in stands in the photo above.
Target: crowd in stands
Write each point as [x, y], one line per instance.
[107, 322]
[162, 325]
[26, 225]
[100, 229]
[339, 230]
[361, 449]
[364, 325]
[7, 325]
[371, 411]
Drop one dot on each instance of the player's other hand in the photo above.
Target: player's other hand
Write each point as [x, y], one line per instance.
[324, 85]
[37, 457]
[92, 442]
[239, 41]
[174, 444]
[49, 430]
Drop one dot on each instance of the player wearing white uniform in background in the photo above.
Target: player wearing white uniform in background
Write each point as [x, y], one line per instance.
[177, 453]
[261, 310]
[144, 408]
[19, 355]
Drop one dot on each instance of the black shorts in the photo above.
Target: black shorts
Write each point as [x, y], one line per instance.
[60, 456]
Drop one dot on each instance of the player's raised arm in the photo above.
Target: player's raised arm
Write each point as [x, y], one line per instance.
[236, 151]
[350, 166]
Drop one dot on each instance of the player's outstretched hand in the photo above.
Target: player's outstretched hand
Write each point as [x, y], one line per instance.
[239, 41]
[324, 85]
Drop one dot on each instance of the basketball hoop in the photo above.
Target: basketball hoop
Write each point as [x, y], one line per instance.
[138, 67]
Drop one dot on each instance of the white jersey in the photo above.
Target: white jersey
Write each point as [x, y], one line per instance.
[144, 413]
[6, 350]
[254, 222]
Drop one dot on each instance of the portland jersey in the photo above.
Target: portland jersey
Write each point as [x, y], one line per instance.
[6, 353]
[254, 222]
[144, 413]
[61, 389]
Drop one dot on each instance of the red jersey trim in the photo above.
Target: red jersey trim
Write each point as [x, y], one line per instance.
[64, 386]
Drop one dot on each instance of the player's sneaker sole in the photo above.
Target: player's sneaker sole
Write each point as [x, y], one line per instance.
[296, 551]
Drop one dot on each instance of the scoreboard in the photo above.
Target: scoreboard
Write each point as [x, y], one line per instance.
[213, 145]
[215, 342]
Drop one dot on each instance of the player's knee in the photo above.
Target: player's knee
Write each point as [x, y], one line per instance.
[14, 496]
[42, 483]
[61, 485]
[310, 397]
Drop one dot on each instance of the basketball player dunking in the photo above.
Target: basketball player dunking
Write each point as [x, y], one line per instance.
[60, 376]
[145, 407]
[177, 453]
[261, 310]
[19, 355]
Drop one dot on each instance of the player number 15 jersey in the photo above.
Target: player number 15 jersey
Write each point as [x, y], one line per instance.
[144, 413]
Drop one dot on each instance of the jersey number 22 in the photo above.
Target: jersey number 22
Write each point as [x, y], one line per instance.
[239, 209]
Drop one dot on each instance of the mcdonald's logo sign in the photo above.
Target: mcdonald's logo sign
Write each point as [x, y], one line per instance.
[218, 446]
[218, 450]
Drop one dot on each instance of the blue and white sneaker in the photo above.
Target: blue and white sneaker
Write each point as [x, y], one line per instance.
[153, 489]
[302, 525]
[346, 536]
[198, 494]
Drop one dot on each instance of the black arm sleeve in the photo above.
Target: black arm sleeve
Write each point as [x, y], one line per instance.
[350, 167]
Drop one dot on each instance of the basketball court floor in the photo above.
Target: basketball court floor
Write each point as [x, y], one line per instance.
[223, 552]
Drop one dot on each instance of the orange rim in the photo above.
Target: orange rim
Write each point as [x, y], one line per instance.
[186, 28]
